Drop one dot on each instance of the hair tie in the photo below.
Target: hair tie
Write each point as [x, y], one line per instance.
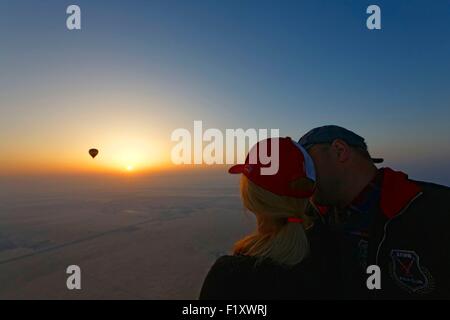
[295, 220]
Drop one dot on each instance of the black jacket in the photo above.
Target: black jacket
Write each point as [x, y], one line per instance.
[408, 238]
[242, 278]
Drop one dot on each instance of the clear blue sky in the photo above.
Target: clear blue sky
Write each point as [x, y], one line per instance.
[291, 65]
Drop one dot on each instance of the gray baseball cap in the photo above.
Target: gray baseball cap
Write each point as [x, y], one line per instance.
[328, 134]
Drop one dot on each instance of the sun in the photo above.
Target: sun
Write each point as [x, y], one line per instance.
[131, 156]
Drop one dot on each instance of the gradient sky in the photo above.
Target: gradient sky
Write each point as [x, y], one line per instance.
[140, 69]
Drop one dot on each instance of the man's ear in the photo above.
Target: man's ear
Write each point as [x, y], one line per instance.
[341, 150]
[302, 184]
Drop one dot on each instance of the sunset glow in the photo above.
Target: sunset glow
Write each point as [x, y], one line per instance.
[126, 95]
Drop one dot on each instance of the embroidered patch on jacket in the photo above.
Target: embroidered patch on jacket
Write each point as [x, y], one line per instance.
[409, 274]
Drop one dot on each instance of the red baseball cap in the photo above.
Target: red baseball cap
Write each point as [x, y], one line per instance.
[294, 164]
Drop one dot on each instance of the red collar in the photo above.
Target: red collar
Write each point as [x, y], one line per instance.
[396, 192]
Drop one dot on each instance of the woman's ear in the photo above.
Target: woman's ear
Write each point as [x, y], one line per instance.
[302, 184]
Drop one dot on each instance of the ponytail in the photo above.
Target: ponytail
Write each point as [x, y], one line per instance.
[283, 242]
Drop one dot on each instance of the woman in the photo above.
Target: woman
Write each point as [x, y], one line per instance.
[287, 256]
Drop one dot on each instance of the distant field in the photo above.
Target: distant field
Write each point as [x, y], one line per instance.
[134, 238]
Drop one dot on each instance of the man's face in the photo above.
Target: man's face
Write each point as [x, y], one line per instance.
[327, 175]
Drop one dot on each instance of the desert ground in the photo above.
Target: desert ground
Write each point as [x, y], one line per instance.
[151, 237]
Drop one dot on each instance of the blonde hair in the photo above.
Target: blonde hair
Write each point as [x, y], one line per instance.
[275, 238]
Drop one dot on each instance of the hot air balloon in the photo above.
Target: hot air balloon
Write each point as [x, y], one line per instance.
[93, 153]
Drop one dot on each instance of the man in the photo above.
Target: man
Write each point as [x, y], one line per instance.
[380, 217]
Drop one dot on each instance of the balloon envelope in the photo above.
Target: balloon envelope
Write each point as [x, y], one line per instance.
[93, 152]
